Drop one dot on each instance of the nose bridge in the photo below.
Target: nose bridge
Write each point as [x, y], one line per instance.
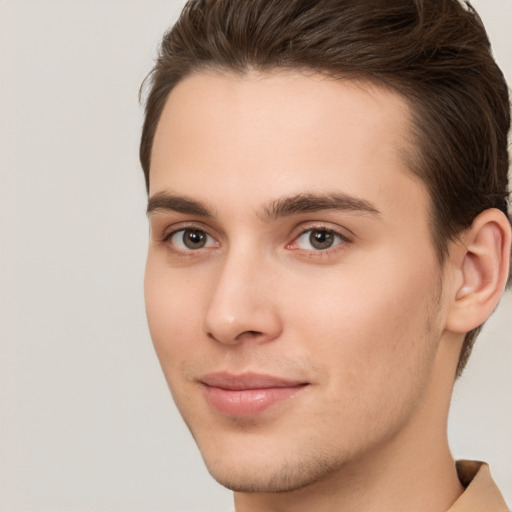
[242, 304]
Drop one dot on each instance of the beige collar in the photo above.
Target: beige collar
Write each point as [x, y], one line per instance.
[481, 494]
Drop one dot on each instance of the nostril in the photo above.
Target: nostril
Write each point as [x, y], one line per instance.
[250, 335]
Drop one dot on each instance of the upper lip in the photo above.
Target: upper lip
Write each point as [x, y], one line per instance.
[249, 380]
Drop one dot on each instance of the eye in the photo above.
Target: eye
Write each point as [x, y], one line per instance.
[319, 239]
[191, 239]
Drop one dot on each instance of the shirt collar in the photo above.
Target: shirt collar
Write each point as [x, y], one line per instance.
[481, 492]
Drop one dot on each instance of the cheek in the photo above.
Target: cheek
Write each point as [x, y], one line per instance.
[370, 330]
[173, 306]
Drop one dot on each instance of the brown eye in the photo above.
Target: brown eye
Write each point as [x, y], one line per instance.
[194, 238]
[321, 239]
[191, 239]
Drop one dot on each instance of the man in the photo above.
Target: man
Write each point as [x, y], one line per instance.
[329, 230]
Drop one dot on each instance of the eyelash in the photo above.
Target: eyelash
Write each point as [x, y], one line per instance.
[339, 240]
[167, 238]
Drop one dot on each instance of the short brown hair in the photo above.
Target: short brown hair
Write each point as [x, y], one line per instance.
[436, 53]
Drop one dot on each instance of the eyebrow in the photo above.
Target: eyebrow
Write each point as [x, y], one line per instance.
[282, 207]
[307, 203]
[162, 201]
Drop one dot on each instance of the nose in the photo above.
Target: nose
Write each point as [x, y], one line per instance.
[242, 305]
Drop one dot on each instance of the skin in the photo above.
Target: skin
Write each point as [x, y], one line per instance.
[367, 323]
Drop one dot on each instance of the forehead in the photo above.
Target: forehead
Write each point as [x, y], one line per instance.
[247, 138]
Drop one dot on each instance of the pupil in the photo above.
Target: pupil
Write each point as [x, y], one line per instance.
[194, 239]
[321, 239]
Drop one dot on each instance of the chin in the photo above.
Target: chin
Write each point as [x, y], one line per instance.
[284, 479]
[259, 472]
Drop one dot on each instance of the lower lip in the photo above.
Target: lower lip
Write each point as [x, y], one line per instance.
[248, 402]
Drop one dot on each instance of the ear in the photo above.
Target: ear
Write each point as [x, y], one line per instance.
[481, 264]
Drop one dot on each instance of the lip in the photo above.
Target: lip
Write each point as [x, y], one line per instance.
[247, 394]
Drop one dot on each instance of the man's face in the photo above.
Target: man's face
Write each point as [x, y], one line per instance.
[292, 287]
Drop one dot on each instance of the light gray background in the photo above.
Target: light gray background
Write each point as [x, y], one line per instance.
[86, 421]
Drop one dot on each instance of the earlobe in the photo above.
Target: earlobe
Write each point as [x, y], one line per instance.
[482, 261]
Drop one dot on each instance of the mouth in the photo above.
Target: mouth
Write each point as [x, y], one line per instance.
[247, 394]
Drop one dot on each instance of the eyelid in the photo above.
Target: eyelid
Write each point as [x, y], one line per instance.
[181, 245]
[344, 234]
[165, 238]
[171, 229]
